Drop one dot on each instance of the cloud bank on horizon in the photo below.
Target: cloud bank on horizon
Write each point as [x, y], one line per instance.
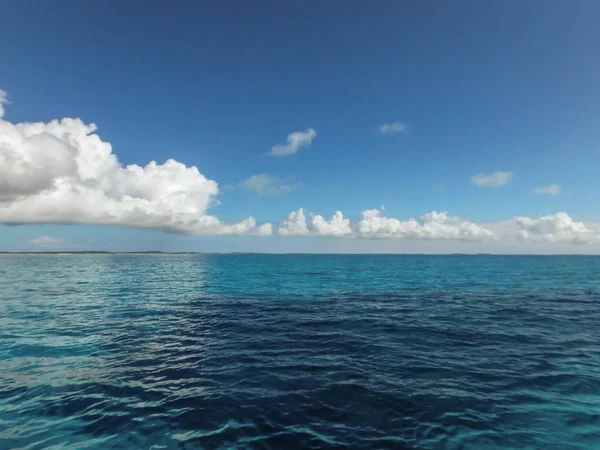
[63, 172]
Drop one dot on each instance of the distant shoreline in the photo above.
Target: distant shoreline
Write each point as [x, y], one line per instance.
[99, 252]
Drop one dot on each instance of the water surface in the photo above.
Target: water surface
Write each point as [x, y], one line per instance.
[299, 351]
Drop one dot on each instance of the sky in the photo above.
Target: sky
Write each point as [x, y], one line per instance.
[300, 126]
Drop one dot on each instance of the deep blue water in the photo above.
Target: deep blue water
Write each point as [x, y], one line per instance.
[299, 351]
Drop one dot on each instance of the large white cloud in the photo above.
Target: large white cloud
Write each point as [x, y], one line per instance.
[559, 227]
[295, 141]
[62, 172]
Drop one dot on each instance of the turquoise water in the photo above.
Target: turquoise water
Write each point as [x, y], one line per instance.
[299, 351]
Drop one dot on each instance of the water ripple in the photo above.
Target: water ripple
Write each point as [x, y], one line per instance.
[258, 351]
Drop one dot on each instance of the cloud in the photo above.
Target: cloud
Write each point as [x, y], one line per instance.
[44, 240]
[295, 141]
[373, 224]
[338, 226]
[433, 225]
[495, 179]
[294, 225]
[3, 101]
[266, 229]
[552, 189]
[559, 227]
[62, 172]
[264, 183]
[394, 127]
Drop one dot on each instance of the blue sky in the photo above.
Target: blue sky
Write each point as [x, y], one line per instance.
[482, 87]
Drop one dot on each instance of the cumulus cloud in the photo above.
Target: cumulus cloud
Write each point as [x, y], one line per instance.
[294, 225]
[44, 240]
[559, 227]
[266, 229]
[264, 183]
[373, 224]
[394, 127]
[62, 172]
[433, 225]
[338, 226]
[495, 179]
[551, 189]
[295, 141]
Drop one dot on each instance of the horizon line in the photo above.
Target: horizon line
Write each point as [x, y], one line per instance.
[160, 252]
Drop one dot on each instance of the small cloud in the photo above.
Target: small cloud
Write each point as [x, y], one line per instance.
[495, 179]
[3, 101]
[394, 127]
[264, 183]
[551, 189]
[295, 141]
[44, 240]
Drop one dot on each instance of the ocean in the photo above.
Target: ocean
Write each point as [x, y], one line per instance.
[299, 351]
